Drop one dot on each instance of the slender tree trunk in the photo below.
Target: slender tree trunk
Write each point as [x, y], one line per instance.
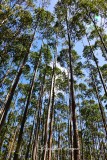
[12, 143]
[25, 112]
[100, 105]
[12, 90]
[47, 121]
[69, 144]
[73, 105]
[82, 143]
[34, 154]
[51, 125]
[99, 34]
[28, 147]
[43, 131]
[37, 130]
[3, 106]
[4, 77]
[70, 119]
[59, 153]
[99, 71]
[71, 141]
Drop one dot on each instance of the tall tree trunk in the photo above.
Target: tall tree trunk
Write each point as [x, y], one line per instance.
[12, 143]
[59, 137]
[99, 71]
[73, 105]
[70, 119]
[12, 90]
[82, 142]
[4, 77]
[47, 121]
[3, 106]
[26, 109]
[100, 105]
[43, 131]
[37, 129]
[51, 125]
[35, 146]
[29, 144]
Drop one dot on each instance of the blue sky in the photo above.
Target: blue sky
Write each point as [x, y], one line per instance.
[52, 4]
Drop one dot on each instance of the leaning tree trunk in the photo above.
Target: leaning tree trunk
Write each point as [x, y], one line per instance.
[73, 105]
[4, 77]
[3, 106]
[100, 36]
[100, 105]
[12, 90]
[99, 71]
[25, 112]
[99, 100]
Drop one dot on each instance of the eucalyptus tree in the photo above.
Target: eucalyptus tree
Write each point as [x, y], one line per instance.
[77, 66]
[66, 19]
